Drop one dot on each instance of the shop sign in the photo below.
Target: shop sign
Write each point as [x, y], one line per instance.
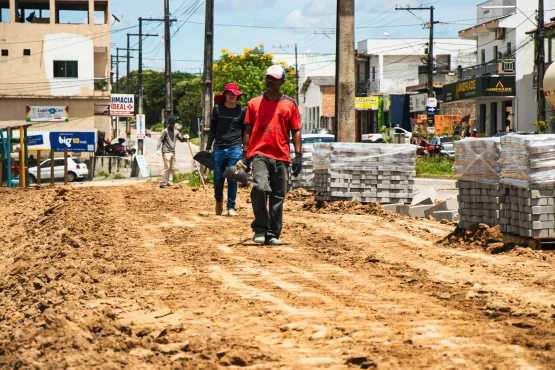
[367, 103]
[486, 86]
[46, 114]
[122, 105]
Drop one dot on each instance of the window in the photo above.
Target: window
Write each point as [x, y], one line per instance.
[45, 164]
[4, 52]
[509, 50]
[26, 51]
[65, 69]
[373, 73]
[483, 56]
[58, 162]
[496, 52]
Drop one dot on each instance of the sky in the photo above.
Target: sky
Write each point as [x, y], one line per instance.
[247, 23]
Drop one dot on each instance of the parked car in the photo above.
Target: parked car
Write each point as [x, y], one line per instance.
[373, 138]
[321, 131]
[399, 130]
[76, 170]
[447, 143]
[318, 138]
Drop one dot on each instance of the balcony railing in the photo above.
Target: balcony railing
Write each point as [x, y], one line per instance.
[101, 84]
[506, 66]
[368, 87]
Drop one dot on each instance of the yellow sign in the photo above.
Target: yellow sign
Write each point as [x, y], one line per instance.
[367, 103]
[499, 88]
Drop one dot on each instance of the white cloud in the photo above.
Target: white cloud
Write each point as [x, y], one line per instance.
[242, 5]
[297, 18]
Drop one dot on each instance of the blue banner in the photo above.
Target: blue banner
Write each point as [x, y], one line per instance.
[35, 140]
[73, 141]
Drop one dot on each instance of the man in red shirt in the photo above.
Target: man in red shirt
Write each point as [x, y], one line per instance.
[270, 118]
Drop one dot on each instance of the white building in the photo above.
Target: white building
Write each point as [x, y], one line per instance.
[502, 81]
[318, 102]
[390, 65]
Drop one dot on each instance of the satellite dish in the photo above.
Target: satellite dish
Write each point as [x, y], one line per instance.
[549, 85]
[116, 18]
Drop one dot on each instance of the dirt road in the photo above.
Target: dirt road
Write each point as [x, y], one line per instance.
[136, 277]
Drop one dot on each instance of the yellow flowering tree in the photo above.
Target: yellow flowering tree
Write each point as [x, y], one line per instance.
[248, 70]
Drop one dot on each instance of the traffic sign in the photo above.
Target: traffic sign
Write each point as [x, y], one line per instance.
[431, 102]
[141, 126]
[431, 111]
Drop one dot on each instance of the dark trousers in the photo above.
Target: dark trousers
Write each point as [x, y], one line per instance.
[269, 186]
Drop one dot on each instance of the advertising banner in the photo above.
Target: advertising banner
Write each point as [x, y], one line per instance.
[486, 86]
[46, 114]
[122, 105]
[141, 126]
[73, 141]
[418, 102]
[367, 103]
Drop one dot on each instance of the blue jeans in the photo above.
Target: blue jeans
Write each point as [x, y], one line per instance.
[224, 158]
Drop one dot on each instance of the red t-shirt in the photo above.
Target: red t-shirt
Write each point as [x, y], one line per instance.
[272, 121]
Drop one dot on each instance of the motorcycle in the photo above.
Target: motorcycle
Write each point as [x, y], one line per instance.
[431, 150]
[116, 149]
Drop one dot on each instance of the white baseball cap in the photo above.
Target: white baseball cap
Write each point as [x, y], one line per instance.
[276, 72]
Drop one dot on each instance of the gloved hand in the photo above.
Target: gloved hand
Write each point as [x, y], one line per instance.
[297, 164]
[186, 137]
[244, 163]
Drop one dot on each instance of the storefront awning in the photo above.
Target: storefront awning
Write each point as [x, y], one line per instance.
[480, 87]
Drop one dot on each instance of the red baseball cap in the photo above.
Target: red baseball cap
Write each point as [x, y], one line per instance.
[229, 87]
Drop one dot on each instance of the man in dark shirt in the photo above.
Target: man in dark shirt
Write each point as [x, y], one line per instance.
[227, 125]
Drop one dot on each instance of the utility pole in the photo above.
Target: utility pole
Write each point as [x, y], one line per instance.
[430, 63]
[167, 22]
[540, 59]
[168, 65]
[296, 65]
[345, 72]
[208, 88]
[140, 72]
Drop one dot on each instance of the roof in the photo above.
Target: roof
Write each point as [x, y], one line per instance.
[318, 81]
[489, 24]
[548, 26]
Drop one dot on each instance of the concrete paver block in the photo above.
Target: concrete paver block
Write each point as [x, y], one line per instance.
[427, 196]
[413, 211]
[448, 205]
[451, 216]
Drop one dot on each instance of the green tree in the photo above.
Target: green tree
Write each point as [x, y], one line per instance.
[188, 94]
[154, 92]
[248, 72]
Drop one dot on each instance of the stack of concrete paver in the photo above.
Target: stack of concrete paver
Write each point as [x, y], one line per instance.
[528, 185]
[365, 172]
[305, 179]
[478, 173]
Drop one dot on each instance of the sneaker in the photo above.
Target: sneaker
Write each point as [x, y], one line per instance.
[163, 186]
[259, 238]
[232, 213]
[219, 208]
[170, 183]
[273, 241]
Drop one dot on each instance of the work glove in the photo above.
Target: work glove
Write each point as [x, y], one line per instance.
[186, 137]
[244, 163]
[297, 164]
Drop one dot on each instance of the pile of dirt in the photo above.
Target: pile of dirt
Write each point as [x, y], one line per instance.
[343, 207]
[299, 194]
[477, 235]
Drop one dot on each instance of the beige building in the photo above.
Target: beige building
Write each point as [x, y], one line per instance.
[55, 53]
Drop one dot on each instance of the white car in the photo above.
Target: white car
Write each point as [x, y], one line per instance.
[76, 170]
[399, 130]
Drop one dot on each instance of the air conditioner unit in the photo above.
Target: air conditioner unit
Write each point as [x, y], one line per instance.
[500, 33]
